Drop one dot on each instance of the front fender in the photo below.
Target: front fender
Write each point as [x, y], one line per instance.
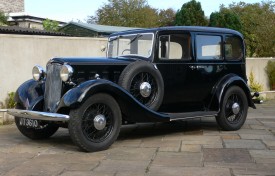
[29, 94]
[221, 87]
[132, 109]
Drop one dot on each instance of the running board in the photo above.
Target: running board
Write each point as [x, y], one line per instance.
[191, 115]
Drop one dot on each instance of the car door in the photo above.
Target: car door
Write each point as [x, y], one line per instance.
[175, 60]
[191, 65]
[209, 66]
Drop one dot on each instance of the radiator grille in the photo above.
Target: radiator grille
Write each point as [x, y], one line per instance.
[53, 87]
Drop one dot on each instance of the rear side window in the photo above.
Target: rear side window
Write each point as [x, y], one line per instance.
[233, 48]
[208, 47]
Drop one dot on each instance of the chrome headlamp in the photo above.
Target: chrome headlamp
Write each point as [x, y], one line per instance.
[38, 73]
[66, 72]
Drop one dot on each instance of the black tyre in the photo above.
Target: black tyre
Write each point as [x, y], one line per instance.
[233, 110]
[96, 124]
[45, 130]
[144, 82]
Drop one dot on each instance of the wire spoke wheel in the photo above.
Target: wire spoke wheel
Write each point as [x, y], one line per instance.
[232, 114]
[95, 125]
[233, 110]
[89, 128]
[144, 82]
[150, 88]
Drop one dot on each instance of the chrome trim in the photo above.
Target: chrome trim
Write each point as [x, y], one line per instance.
[36, 115]
[41, 72]
[146, 33]
[145, 89]
[236, 108]
[100, 122]
[192, 117]
[66, 70]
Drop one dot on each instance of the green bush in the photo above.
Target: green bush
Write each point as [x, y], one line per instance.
[270, 71]
[10, 103]
[254, 85]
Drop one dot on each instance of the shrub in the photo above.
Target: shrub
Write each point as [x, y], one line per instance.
[254, 85]
[270, 71]
[10, 103]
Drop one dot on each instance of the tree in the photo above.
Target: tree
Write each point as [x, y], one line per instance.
[191, 14]
[130, 13]
[166, 17]
[225, 18]
[50, 25]
[3, 19]
[258, 27]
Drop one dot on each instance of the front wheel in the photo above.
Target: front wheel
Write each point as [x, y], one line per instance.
[96, 124]
[233, 110]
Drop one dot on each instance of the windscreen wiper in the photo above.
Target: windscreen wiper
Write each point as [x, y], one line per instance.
[135, 38]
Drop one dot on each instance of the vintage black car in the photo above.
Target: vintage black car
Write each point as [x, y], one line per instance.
[149, 75]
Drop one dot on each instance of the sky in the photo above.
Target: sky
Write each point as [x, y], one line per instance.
[74, 10]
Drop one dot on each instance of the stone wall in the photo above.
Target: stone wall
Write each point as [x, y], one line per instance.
[11, 6]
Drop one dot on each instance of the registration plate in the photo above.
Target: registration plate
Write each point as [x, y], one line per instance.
[29, 122]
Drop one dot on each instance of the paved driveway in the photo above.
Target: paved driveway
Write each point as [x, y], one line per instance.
[195, 147]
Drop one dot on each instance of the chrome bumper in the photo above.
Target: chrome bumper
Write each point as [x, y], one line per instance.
[36, 115]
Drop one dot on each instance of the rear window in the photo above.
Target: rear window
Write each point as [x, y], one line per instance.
[233, 48]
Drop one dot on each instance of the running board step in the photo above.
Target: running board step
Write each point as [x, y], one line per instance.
[191, 115]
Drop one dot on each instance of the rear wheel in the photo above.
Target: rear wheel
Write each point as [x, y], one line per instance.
[233, 110]
[96, 124]
[44, 131]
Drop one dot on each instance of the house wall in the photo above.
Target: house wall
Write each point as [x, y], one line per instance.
[11, 6]
[19, 53]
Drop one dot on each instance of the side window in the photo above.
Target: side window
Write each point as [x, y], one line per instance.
[233, 48]
[208, 47]
[174, 47]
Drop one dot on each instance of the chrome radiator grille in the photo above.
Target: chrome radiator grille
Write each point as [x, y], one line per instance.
[53, 87]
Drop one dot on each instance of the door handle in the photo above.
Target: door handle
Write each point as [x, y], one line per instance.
[196, 67]
[193, 67]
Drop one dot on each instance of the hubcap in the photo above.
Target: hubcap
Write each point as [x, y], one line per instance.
[145, 89]
[100, 122]
[235, 108]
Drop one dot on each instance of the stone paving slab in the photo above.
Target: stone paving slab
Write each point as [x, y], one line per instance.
[188, 171]
[247, 144]
[193, 147]
[173, 159]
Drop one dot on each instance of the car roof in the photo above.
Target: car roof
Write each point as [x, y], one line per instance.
[182, 28]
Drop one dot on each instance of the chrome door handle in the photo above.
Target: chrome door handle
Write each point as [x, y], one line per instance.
[193, 67]
[196, 67]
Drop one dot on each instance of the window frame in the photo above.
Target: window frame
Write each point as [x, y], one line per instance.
[242, 48]
[221, 49]
[169, 33]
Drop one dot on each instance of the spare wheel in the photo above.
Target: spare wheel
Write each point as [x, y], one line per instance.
[144, 81]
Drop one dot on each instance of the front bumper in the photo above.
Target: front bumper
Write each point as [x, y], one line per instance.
[36, 115]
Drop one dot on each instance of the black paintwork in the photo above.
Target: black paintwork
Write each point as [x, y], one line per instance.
[191, 87]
